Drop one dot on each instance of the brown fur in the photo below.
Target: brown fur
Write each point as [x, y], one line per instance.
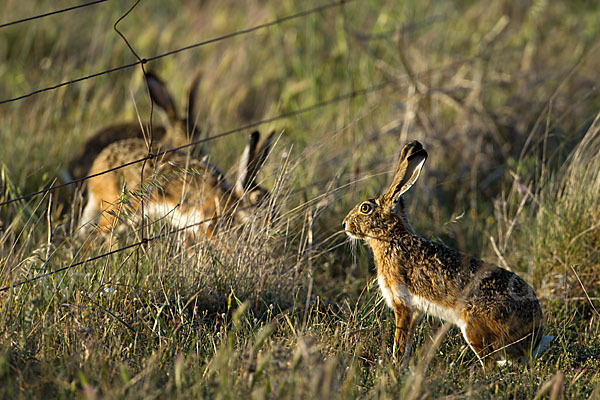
[498, 311]
[179, 132]
[190, 190]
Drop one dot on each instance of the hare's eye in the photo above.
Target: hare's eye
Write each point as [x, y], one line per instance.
[254, 197]
[257, 196]
[366, 208]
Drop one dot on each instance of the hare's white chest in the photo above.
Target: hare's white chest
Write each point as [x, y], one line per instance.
[173, 214]
[400, 293]
[385, 291]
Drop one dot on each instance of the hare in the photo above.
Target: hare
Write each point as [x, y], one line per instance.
[179, 132]
[496, 311]
[185, 190]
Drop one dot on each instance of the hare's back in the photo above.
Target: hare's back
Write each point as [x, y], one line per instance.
[129, 158]
[503, 295]
[120, 164]
[81, 164]
[486, 289]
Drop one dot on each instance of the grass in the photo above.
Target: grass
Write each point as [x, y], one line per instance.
[501, 94]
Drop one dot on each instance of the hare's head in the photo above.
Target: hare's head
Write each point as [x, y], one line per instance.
[181, 129]
[375, 218]
[246, 188]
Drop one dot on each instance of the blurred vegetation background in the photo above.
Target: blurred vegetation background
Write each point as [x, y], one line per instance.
[503, 95]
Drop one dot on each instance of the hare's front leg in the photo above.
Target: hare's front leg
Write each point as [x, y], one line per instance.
[405, 324]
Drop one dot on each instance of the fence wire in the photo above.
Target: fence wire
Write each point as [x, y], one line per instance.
[91, 3]
[337, 99]
[192, 46]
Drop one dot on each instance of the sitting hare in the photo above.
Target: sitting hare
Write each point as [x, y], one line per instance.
[184, 190]
[496, 311]
[179, 132]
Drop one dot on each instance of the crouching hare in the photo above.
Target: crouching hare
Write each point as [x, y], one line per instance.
[184, 190]
[497, 312]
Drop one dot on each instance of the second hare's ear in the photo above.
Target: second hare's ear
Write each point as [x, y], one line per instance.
[191, 102]
[262, 153]
[412, 158]
[160, 96]
[252, 161]
[248, 155]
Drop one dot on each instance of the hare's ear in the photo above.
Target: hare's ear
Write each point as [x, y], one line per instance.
[191, 102]
[244, 173]
[160, 96]
[412, 158]
[252, 161]
[262, 153]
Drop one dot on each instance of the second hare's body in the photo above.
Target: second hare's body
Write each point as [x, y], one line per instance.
[496, 311]
[186, 190]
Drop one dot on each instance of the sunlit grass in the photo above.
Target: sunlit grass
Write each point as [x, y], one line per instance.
[502, 96]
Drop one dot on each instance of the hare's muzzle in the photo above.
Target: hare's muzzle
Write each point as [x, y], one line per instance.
[346, 227]
[344, 222]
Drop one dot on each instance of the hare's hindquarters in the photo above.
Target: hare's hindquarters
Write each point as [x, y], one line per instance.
[502, 317]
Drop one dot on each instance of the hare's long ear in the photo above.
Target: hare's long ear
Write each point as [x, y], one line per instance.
[248, 155]
[252, 161]
[412, 158]
[161, 96]
[261, 155]
[191, 102]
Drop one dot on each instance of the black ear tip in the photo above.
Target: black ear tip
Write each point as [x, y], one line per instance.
[254, 136]
[414, 146]
[268, 139]
[253, 140]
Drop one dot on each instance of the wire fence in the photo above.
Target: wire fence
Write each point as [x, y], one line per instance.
[277, 21]
[141, 61]
[91, 3]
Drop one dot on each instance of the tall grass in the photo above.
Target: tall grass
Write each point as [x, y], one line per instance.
[502, 96]
[556, 229]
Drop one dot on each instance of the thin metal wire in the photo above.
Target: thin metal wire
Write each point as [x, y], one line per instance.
[91, 3]
[350, 95]
[169, 53]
